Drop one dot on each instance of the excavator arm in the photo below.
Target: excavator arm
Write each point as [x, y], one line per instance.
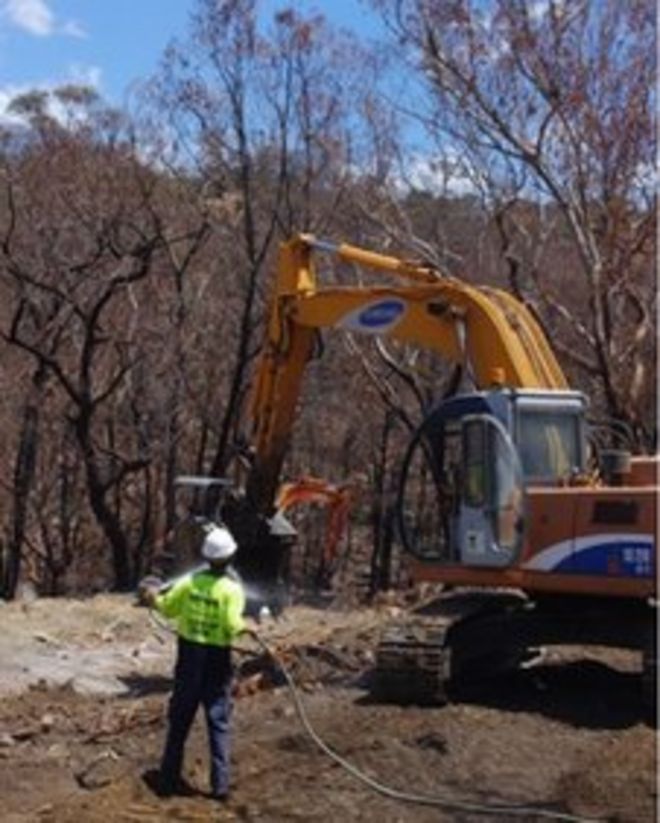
[494, 335]
[336, 498]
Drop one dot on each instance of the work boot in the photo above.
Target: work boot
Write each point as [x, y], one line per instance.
[173, 787]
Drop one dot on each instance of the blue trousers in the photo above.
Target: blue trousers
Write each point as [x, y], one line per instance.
[202, 675]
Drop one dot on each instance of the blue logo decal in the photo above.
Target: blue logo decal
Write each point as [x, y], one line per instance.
[632, 558]
[381, 314]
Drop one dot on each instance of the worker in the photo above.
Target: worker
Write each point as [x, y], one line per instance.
[207, 607]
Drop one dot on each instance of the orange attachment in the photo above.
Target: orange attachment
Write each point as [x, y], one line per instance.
[338, 499]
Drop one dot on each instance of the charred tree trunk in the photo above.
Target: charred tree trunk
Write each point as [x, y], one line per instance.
[382, 514]
[24, 471]
[97, 491]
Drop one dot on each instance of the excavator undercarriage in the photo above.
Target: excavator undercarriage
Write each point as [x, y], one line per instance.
[463, 638]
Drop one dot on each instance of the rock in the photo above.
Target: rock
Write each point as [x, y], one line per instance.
[58, 751]
[25, 734]
[42, 637]
[284, 711]
[432, 741]
[109, 634]
[6, 740]
[248, 812]
[101, 772]
[393, 611]
[47, 722]
[27, 593]
[297, 742]
[99, 685]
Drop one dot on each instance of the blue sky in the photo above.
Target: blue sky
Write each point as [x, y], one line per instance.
[109, 44]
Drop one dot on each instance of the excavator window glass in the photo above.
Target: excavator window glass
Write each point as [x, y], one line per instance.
[549, 444]
[506, 498]
[490, 521]
[475, 463]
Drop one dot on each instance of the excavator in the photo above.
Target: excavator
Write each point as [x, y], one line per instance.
[539, 536]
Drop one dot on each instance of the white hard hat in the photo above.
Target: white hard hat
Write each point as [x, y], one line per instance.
[218, 544]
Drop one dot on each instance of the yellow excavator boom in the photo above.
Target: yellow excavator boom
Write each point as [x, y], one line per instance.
[492, 334]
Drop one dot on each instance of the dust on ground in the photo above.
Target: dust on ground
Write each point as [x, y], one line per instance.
[85, 683]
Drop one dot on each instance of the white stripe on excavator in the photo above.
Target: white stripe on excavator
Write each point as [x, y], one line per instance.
[552, 556]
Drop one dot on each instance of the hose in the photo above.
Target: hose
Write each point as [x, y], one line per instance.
[159, 623]
[410, 797]
[510, 810]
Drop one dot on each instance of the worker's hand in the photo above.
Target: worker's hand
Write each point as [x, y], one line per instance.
[150, 596]
[147, 592]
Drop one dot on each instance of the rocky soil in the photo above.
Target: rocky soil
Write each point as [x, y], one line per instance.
[84, 686]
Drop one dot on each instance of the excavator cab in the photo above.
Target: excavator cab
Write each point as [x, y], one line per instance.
[463, 487]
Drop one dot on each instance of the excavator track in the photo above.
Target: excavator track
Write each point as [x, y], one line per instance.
[467, 637]
[412, 663]
[416, 658]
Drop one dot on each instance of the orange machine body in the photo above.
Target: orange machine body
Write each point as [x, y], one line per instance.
[586, 540]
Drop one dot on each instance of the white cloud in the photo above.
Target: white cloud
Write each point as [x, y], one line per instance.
[34, 16]
[77, 74]
[73, 28]
[442, 175]
[37, 18]
[11, 119]
[7, 94]
[85, 75]
[539, 10]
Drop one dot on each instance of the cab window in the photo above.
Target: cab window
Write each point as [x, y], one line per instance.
[549, 444]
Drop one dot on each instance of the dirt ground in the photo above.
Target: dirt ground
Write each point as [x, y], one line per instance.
[84, 687]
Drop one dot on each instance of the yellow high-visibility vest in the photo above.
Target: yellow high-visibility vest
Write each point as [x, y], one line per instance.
[207, 609]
